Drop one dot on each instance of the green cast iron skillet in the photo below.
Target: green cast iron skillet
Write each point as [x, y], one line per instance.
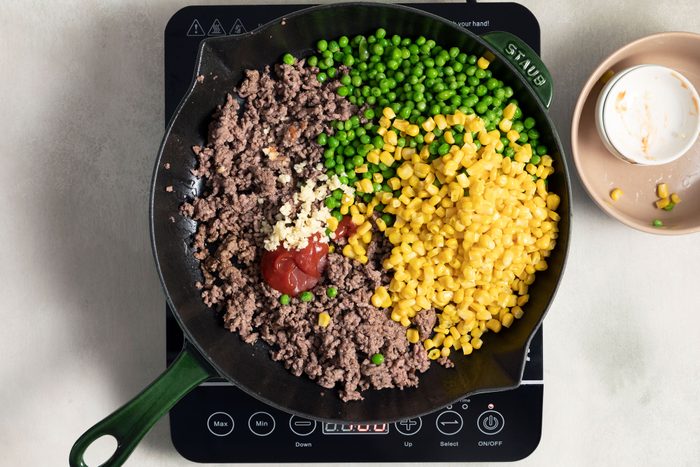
[211, 350]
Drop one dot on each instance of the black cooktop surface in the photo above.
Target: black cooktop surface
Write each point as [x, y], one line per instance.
[219, 423]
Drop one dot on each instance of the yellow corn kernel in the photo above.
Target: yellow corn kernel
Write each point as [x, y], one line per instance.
[512, 136]
[344, 209]
[434, 354]
[384, 122]
[391, 137]
[412, 335]
[346, 199]
[379, 296]
[476, 342]
[400, 125]
[429, 137]
[445, 352]
[507, 320]
[365, 186]
[386, 158]
[662, 203]
[360, 169]
[324, 319]
[412, 130]
[662, 190]
[517, 312]
[348, 251]
[467, 348]
[615, 194]
[440, 121]
[509, 111]
[428, 344]
[373, 157]
[482, 63]
[494, 325]
[429, 124]
[675, 198]
[405, 171]
[388, 112]
[332, 224]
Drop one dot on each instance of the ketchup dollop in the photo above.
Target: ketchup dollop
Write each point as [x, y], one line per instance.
[294, 271]
[345, 228]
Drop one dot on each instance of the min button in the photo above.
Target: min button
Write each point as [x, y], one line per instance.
[261, 423]
[220, 424]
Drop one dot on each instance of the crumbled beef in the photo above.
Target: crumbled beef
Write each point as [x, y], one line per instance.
[261, 132]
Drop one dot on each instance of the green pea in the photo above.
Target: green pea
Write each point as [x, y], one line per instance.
[331, 292]
[541, 150]
[306, 296]
[377, 359]
[529, 122]
[312, 60]
[330, 203]
[285, 299]
[443, 149]
[535, 159]
[388, 219]
[321, 45]
[321, 77]
[657, 223]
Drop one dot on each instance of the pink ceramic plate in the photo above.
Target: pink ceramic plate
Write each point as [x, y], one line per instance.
[601, 172]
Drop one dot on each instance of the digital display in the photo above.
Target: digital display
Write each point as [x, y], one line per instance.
[355, 429]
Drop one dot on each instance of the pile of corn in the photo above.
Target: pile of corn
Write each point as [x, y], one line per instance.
[472, 228]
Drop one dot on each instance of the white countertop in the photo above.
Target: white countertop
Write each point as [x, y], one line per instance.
[82, 309]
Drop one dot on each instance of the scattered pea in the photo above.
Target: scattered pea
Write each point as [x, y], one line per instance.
[377, 359]
[285, 299]
[306, 296]
[289, 59]
[657, 223]
[331, 292]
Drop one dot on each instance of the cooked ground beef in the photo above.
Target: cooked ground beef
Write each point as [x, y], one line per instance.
[255, 139]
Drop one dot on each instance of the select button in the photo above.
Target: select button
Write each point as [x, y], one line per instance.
[449, 422]
[220, 424]
[261, 423]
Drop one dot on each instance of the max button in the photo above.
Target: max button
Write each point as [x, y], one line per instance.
[220, 424]
[301, 426]
[261, 423]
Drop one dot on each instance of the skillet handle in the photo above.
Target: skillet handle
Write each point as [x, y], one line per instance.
[130, 423]
[526, 61]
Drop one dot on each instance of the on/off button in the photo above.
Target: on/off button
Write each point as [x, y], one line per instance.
[490, 422]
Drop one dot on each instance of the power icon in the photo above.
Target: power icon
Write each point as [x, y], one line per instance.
[490, 422]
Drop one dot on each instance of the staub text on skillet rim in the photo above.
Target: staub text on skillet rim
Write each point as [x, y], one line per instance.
[211, 350]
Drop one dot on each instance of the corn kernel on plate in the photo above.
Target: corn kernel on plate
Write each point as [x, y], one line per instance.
[630, 193]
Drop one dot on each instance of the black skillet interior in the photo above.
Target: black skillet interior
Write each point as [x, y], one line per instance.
[497, 366]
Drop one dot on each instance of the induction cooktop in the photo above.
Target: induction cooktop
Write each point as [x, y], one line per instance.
[217, 422]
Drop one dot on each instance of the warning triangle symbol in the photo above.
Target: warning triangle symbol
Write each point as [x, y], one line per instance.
[195, 29]
[238, 27]
[216, 29]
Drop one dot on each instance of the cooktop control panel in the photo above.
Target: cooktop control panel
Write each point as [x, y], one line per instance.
[218, 422]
